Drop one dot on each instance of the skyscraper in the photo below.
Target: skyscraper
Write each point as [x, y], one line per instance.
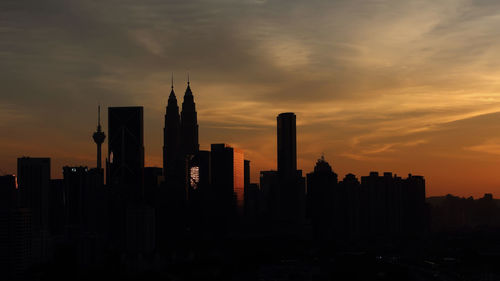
[291, 183]
[172, 138]
[126, 150]
[99, 138]
[189, 123]
[287, 145]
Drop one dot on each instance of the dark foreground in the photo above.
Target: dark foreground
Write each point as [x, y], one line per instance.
[458, 256]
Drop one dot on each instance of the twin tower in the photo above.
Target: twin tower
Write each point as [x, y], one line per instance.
[180, 134]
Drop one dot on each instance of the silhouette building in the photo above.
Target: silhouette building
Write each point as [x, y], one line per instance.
[291, 202]
[126, 151]
[287, 145]
[321, 189]
[172, 156]
[251, 196]
[33, 176]
[227, 179]
[189, 123]
[76, 195]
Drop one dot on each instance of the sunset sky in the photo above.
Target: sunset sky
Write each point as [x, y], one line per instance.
[381, 85]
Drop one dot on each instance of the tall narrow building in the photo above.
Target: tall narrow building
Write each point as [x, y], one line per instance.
[99, 138]
[126, 150]
[227, 168]
[287, 145]
[33, 176]
[171, 137]
[291, 192]
[189, 123]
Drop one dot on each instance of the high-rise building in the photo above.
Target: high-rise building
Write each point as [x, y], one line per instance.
[246, 168]
[172, 156]
[189, 123]
[34, 182]
[99, 138]
[126, 151]
[321, 195]
[239, 177]
[287, 145]
[291, 183]
[228, 176]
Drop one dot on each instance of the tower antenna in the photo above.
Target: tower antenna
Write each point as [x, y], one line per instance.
[172, 80]
[188, 77]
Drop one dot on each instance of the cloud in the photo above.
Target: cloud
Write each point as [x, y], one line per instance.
[369, 80]
[491, 146]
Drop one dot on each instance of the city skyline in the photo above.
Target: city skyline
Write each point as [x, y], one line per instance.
[255, 175]
[400, 86]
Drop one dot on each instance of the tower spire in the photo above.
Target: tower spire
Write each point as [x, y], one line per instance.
[189, 122]
[99, 118]
[172, 81]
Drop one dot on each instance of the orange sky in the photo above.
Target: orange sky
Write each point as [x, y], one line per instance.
[402, 86]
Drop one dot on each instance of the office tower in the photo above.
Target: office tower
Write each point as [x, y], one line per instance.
[287, 145]
[239, 180]
[414, 208]
[291, 199]
[34, 181]
[172, 156]
[227, 177]
[189, 123]
[99, 138]
[126, 151]
[247, 172]
[322, 207]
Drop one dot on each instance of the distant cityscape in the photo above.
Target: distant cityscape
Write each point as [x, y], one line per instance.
[125, 217]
